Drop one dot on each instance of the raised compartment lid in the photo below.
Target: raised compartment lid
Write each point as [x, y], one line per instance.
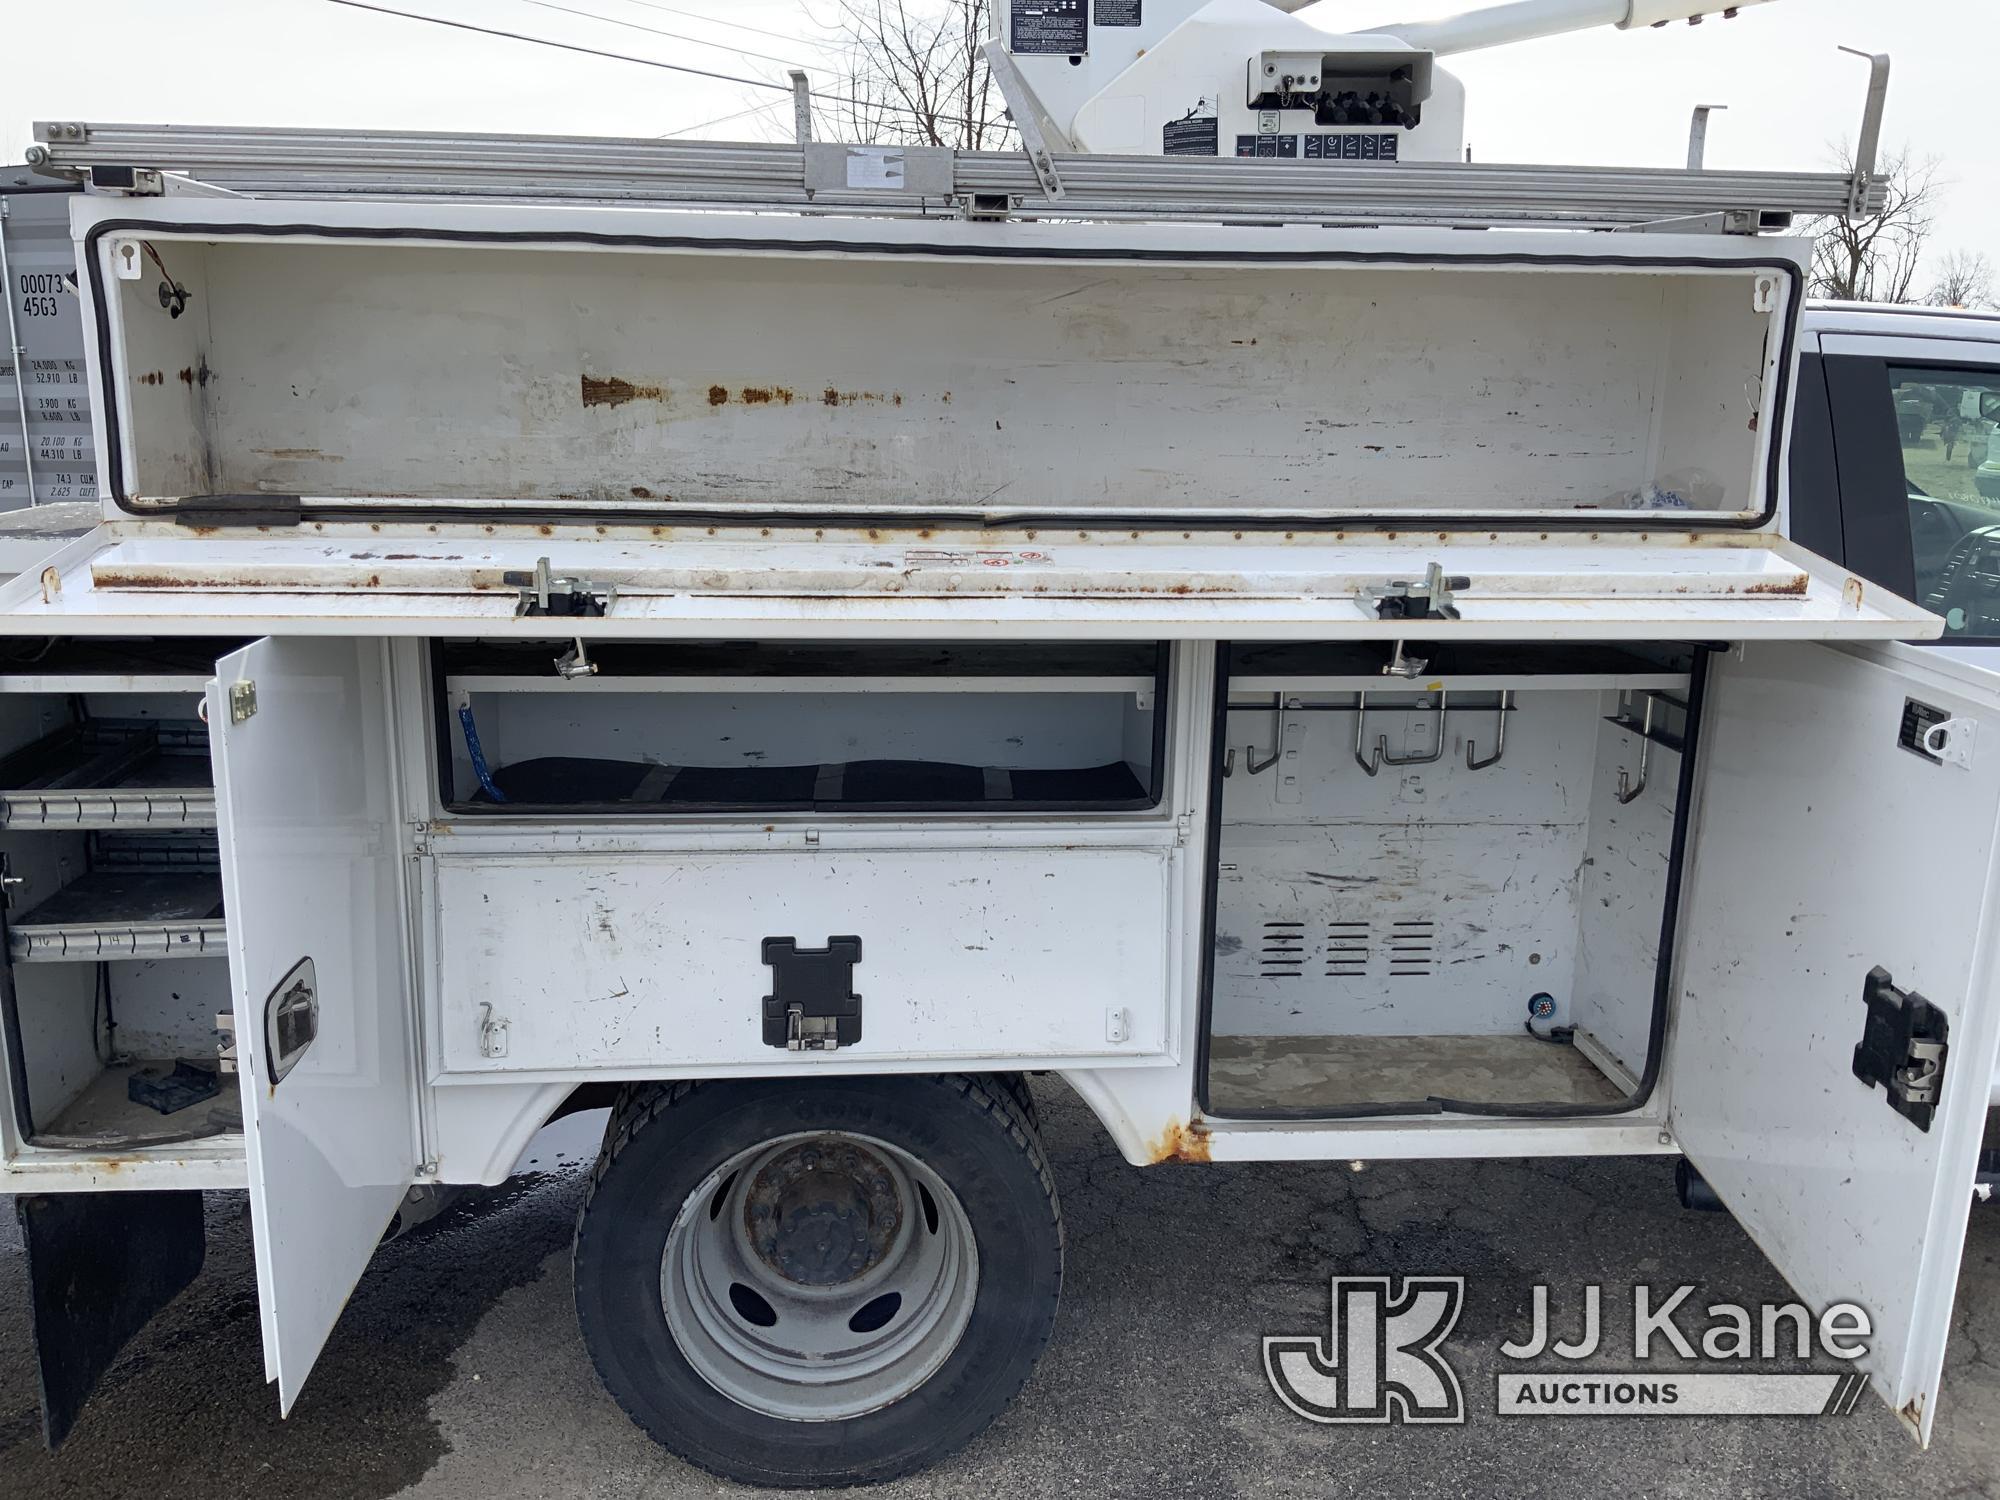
[643, 366]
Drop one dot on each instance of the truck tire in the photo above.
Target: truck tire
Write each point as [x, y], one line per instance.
[1016, 1084]
[818, 1283]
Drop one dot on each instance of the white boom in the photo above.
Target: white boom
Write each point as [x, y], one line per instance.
[1526, 20]
[1269, 78]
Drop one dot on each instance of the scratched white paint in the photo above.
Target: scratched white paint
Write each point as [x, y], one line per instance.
[654, 962]
[1824, 849]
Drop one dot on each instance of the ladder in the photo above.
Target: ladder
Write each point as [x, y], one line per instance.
[929, 182]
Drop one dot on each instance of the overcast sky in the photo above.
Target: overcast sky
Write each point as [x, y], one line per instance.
[1596, 97]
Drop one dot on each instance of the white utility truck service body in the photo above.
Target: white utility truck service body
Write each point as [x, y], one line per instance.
[1329, 689]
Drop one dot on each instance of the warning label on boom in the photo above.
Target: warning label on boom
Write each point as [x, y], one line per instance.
[1196, 135]
[1049, 26]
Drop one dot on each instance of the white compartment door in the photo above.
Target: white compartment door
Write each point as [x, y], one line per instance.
[318, 973]
[1823, 850]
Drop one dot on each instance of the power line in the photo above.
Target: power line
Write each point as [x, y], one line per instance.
[695, 15]
[656, 31]
[646, 62]
[541, 41]
[755, 109]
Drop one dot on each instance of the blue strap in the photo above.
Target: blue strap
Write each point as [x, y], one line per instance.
[478, 756]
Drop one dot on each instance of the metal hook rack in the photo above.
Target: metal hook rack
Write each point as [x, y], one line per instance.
[1499, 736]
[1629, 790]
[1361, 734]
[1382, 757]
[1255, 767]
[1437, 748]
[1649, 732]
[1282, 707]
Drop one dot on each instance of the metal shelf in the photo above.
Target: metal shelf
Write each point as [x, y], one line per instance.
[1456, 683]
[110, 774]
[124, 913]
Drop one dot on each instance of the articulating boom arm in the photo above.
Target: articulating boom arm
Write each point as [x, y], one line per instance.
[1525, 20]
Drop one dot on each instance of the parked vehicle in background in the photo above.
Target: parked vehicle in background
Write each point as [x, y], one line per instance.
[1913, 505]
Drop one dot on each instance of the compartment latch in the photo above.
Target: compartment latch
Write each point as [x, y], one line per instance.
[812, 1006]
[1429, 598]
[542, 593]
[1902, 1047]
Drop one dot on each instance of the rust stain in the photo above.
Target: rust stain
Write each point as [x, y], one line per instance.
[1795, 586]
[302, 453]
[640, 492]
[610, 390]
[111, 578]
[718, 395]
[195, 374]
[152, 377]
[832, 397]
[760, 395]
[1180, 1142]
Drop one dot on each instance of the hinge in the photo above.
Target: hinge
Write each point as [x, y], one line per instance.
[1903, 1046]
[242, 701]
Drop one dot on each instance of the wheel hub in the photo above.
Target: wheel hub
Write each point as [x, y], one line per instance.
[817, 1277]
[823, 1214]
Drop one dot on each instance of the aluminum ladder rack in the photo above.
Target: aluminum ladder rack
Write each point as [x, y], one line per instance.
[917, 181]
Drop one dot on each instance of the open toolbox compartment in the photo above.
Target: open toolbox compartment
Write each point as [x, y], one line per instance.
[114, 927]
[1443, 876]
[768, 727]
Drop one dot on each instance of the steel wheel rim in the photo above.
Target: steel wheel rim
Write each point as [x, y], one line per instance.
[819, 1276]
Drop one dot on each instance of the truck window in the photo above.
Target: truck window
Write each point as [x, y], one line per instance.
[1945, 424]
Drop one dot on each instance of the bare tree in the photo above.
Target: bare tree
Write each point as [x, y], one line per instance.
[1875, 259]
[1964, 279]
[914, 72]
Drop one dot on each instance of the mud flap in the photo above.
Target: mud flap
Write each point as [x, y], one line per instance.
[100, 1265]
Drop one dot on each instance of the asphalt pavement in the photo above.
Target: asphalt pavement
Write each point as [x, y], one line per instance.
[456, 1372]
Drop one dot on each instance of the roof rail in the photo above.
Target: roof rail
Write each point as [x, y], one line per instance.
[830, 178]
